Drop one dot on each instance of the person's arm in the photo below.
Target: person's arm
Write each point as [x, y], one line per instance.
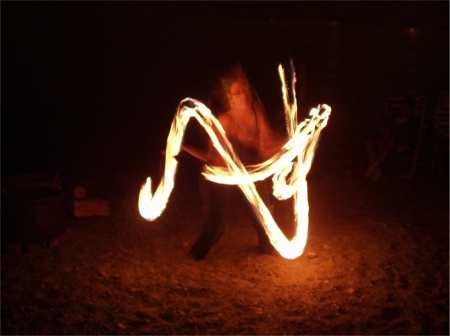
[270, 142]
[214, 158]
[211, 155]
[196, 152]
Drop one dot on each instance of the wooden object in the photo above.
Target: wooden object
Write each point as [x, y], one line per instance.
[90, 208]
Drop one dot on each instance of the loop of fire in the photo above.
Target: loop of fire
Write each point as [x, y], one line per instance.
[288, 168]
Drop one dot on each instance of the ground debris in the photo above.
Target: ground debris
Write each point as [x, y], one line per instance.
[364, 272]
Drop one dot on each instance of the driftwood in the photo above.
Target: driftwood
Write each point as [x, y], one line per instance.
[89, 199]
[90, 208]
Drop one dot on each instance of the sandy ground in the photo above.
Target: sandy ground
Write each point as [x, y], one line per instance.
[376, 262]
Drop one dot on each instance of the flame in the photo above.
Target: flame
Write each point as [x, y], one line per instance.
[288, 168]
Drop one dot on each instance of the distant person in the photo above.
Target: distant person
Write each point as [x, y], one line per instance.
[242, 115]
[395, 128]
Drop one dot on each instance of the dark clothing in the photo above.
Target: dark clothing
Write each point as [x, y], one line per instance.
[216, 198]
[400, 124]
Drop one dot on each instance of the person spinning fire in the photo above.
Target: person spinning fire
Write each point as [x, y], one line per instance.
[242, 115]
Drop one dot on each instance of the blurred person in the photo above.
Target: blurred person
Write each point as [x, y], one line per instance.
[396, 129]
[242, 115]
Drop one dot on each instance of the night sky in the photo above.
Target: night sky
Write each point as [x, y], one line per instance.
[93, 86]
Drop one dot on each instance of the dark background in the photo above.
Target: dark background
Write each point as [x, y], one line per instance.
[91, 87]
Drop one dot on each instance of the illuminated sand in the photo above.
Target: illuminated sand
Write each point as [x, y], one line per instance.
[288, 168]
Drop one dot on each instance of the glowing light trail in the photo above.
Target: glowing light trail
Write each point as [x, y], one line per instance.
[288, 168]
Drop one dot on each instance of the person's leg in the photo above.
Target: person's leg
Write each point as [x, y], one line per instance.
[370, 145]
[264, 190]
[378, 149]
[215, 199]
[371, 148]
[386, 147]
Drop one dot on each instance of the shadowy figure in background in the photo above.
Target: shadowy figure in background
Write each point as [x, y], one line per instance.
[396, 128]
[242, 115]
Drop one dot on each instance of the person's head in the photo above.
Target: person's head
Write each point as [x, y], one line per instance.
[235, 86]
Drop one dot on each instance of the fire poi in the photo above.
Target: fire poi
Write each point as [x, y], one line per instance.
[288, 168]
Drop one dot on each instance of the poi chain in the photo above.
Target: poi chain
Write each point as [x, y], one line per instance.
[288, 168]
